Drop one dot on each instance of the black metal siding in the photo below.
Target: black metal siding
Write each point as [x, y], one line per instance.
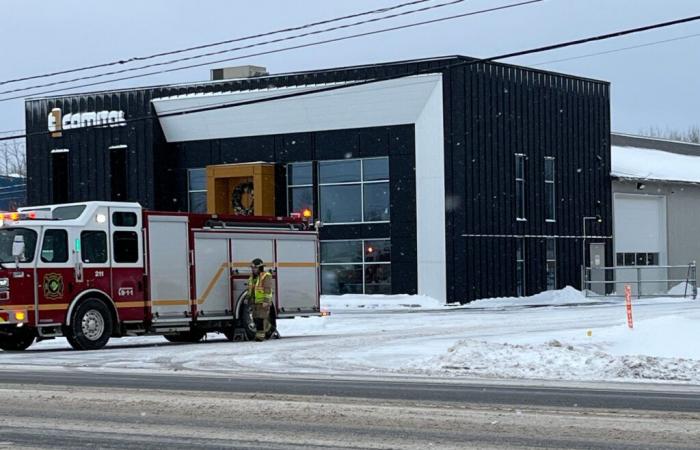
[493, 112]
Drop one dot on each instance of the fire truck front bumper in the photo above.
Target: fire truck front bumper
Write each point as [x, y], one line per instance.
[13, 318]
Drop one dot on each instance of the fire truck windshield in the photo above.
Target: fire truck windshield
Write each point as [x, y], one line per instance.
[7, 237]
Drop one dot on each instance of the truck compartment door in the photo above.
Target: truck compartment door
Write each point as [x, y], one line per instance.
[168, 251]
[243, 251]
[212, 278]
[297, 275]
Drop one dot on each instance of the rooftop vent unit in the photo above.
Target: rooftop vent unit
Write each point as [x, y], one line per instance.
[227, 73]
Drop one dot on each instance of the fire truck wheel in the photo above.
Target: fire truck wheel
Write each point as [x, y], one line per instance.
[245, 317]
[91, 326]
[18, 341]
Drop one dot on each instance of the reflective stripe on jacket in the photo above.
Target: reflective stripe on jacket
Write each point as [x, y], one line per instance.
[257, 286]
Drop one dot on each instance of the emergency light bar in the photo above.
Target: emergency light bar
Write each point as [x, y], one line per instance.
[14, 216]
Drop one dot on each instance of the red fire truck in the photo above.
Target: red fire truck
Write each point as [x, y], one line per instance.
[95, 270]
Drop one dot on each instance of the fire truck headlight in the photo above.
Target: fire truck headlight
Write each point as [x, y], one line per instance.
[4, 282]
[20, 316]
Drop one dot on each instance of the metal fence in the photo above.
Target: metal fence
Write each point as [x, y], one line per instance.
[645, 281]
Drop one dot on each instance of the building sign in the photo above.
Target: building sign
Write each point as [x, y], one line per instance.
[58, 122]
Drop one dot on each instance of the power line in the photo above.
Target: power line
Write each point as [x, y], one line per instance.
[283, 49]
[617, 50]
[214, 44]
[416, 72]
[230, 50]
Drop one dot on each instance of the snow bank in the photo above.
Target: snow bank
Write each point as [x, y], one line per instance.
[561, 297]
[658, 349]
[643, 163]
[350, 302]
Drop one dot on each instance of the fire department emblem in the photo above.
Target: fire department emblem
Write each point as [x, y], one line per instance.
[53, 286]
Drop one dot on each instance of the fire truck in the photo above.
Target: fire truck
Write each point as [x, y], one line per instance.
[95, 270]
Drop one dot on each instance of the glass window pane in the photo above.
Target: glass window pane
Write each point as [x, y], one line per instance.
[378, 279]
[641, 259]
[126, 246]
[124, 219]
[341, 251]
[629, 259]
[551, 275]
[652, 259]
[55, 246]
[520, 278]
[549, 169]
[67, 212]
[378, 250]
[551, 249]
[376, 202]
[198, 202]
[300, 198]
[520, 250]
[345, 279]
[520, 199]
[375, 169]
[197, 179]
[340, 203]
[299, 173]
[93, 246]
[7, 238]
[339, 171]
[549, 201]
[620, 259]
[519, 166]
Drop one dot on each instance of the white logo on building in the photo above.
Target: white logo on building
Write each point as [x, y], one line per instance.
[58, 122]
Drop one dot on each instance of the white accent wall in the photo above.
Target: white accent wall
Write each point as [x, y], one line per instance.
[411, 100]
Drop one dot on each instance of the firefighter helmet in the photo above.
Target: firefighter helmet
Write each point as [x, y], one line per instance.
[257, 262]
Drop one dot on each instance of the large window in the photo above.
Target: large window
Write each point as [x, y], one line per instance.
[197, 190]
[125, 246]
[520, 186]
[520, 267]
[54, 248]
[354, 190]
[300, 183]
[551, 264]
[549, 190]
[356, 267]
[93, 246]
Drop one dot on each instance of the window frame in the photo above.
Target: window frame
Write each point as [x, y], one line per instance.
[194, 191]
[520, 260]
[108, 255]
[363, 264]
[290, 187]
[550, 182]
[41, 250]
[549, 260]
[361, 183]
[520, 203]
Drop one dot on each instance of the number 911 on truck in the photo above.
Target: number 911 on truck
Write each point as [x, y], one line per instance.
[94, 270]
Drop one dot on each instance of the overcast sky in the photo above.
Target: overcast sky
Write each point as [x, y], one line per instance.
[651, 86]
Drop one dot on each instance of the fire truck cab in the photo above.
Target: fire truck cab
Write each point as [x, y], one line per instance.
[94, 270]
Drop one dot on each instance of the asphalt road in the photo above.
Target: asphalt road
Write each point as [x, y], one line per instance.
[644, 398]
[86, 409]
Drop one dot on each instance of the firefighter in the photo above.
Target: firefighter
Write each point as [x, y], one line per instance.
[260, 291]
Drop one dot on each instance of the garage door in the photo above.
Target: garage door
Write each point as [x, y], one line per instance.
[640, 240]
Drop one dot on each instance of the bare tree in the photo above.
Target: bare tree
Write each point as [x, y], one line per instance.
[692, 134]
[13, 158]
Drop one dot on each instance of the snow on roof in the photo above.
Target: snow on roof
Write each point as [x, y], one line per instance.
[649, 164]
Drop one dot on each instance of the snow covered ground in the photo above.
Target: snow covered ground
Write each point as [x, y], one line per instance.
[557, 335]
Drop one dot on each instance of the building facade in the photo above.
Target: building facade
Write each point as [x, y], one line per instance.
[656, 194]
[445, 177]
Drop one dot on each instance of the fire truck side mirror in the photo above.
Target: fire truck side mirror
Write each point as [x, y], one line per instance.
[18, 248]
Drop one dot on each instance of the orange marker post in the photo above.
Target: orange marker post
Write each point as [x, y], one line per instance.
[628, 304]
